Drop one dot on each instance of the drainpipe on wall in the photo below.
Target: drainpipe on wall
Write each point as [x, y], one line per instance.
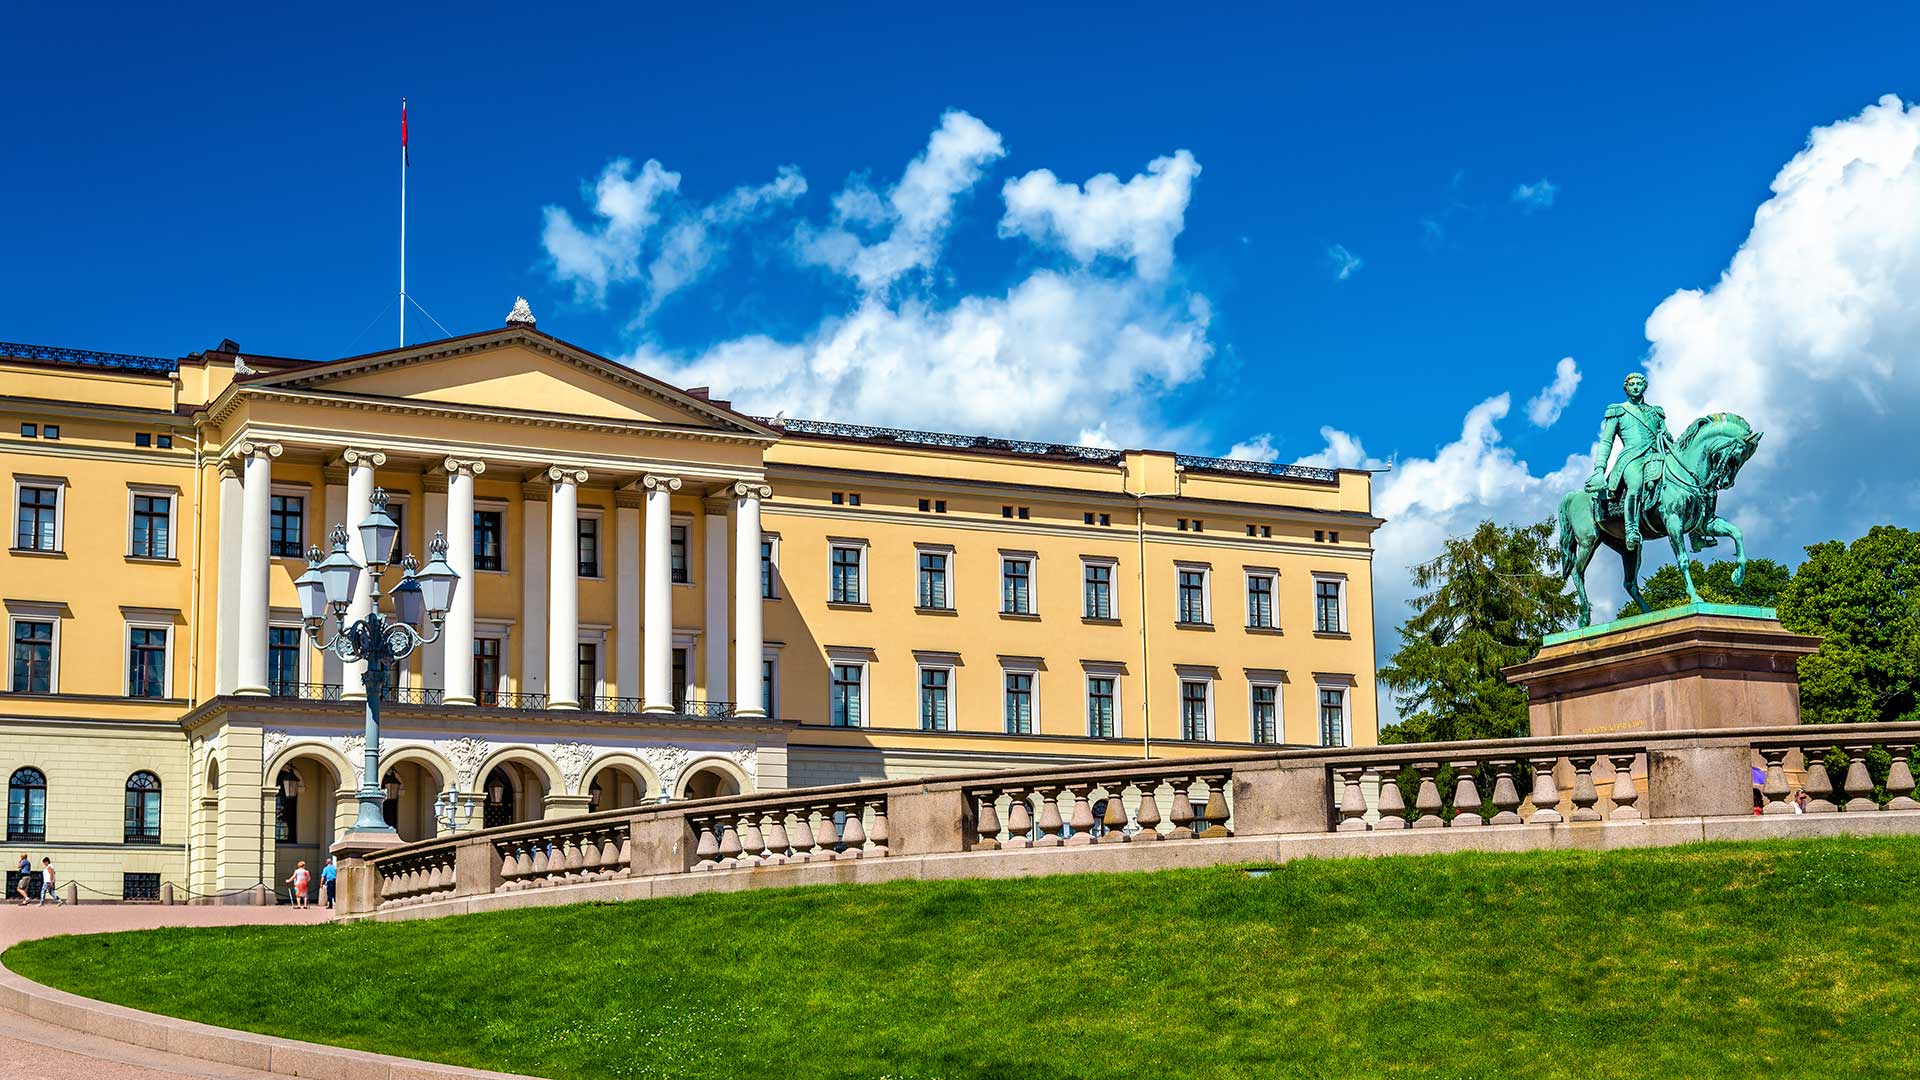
[1140, 586]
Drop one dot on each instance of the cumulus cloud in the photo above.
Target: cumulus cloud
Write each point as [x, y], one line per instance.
[1258, 448]
[1535, 196]
[1137, 220]
[1345, 263]
[916, 212]
[1544, 408]
[698, 238]
[591, 258]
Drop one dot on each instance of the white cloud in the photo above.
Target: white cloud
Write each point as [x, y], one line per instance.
[1544, 408]
[1137, 220]
[917, 211]
[596, 256]
[1258, 448]
[1345, 263]
[1535, 196]
[699, 238]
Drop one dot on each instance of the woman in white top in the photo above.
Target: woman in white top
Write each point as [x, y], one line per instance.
[299, 882]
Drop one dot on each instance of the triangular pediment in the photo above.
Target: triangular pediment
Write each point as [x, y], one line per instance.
[516, 371]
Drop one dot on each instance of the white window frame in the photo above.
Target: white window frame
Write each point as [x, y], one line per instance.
[1272, 578]
[1206, 592]
[290, 620]
[1020, 665]
[304, 493]
[1340, 580]
[1184, 674]
[503, 633]
[1095, 669]
[1032, 559]
[1113, 587]
[595, 636]
[771, 565]
[1344, 685]
[946, 553]
[172, 495]
[146, 621]
[598, 516]
[683, 521]
[925, 662]
[403, 500]
[770, 654]
[501, 507]
[862, 659]
[18, 612]
[1277, 682]
[835, 543]
[59, 486]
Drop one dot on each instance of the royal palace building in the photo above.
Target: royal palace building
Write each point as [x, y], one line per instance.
[660, 598]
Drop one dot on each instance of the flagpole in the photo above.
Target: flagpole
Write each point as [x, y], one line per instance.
[403, 223]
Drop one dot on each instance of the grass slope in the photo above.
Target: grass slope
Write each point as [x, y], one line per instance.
[1790, 958]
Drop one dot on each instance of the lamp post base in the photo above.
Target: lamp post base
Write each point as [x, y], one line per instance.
[361, 843]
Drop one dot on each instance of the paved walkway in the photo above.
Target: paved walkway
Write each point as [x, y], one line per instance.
[31, 1048]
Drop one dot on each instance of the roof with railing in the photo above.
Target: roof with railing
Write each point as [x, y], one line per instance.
[1097, 455]
[106, 361]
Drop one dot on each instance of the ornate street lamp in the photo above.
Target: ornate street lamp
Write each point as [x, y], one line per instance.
[450, 812]
[420, 600]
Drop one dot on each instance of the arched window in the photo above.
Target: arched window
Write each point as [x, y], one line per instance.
[143, 808]
[27, 805]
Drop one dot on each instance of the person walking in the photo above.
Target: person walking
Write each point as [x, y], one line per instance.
[26, 876]
[328, 874]
[49, 884]
[299, 882]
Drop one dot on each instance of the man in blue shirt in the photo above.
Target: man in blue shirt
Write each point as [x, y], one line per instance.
[327, 874]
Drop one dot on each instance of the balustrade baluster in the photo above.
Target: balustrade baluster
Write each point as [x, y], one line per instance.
[1082, 819]
[1426, 800]
[1546, 795]
[1216, 812]
[1900, 779]
[1623, 793]
[1353, 802]
[1585, 796]
[1019, 820]
[804, 845]
[1181, 812]
[1393, 804]
[752, 841]
[826, 836]
[853, 834]
[541, 863]
[509, 866]
[1506, 795]
[1859, 782]
[571, 859]
[776, 835]
[1113, 823]
[878, 834]
[730, 849]
[1818, 784]
[1466, 795]
[1146, 818]
[1051, 826]
[987, 825]
[626, 849]
[1775, 788]
[707, 849]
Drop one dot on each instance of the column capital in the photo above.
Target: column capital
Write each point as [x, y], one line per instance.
[248, 448]
[463, 466]
[653, 481]
[751, 489]
[566, 474]
[371, 459]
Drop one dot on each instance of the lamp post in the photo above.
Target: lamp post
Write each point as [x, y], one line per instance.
[450, 813]
[421, 598]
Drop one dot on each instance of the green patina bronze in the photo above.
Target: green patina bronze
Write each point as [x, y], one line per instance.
[1658, 486]
[1649, 618]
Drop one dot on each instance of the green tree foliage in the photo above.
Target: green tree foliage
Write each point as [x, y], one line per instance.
[1714, 580]
[1485, 603]
[1863, 601]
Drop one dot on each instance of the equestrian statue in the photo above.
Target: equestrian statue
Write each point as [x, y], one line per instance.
[1658, 486]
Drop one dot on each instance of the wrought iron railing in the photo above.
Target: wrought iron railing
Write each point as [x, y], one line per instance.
[943, 439]
[707, 708]
[503, 699]
[88, 357]
[1257, 468]
[621, 705]
[398, 695]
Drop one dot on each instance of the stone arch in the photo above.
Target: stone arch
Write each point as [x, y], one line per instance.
[637, 769]
[304, 826]
[343, 772]
[426, 756]
[524, 755]
[727, 768]
[424, 774]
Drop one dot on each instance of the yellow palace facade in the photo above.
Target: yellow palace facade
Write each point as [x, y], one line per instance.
[660, 598]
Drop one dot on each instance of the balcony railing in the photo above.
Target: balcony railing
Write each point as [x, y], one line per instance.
[506, 699]
[398, 695]
[496, 699]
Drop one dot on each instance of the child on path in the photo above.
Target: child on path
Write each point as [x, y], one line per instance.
[48, 884]
[299, 882]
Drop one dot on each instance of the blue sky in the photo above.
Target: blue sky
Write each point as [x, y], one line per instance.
[173, 180]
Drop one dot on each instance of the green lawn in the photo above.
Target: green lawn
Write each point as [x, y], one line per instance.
[1778, 959]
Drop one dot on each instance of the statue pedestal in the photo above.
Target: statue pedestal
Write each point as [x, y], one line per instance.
[1696, 666]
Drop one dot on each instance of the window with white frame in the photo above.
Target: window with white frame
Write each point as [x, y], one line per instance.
[489, 668]
[1016, 583]
[679, 536]
[848, 688]
[287, 525]
[149, 647]
[933, 589]
[589, 545]
[1103, 704]
[150, 523]
[38, 524]
[1329, 603]
[769, 566]
[1196, 706]
[936, 698]
[397, 510]
[587, 665]
[847, 572]
[1195, 605]
[1260, 591]
[490, 538]
[770, 683]
[1333, 714]
[36, 653]
[286, 656]
[1020, 682]
[1097, 575]
[1263, 711]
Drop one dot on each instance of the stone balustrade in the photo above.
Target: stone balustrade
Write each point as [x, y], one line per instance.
[1595, 791]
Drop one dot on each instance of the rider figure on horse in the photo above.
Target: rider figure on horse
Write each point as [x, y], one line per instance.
[1642, 431]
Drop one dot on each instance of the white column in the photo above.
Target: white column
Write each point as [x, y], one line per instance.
[748, 636]
[227, 631]
[360, 466]
[335, 498]
[658, 687]
[457, 651]
[533, 586]
[256, 566]
[715, 583]
[563, 590]
[626, 575]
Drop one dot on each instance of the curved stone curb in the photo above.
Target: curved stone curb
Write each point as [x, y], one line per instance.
[266, 1053]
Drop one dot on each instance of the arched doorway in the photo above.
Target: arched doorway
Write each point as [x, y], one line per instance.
[710, 782]
[513, 792]
[305, 816]
[616, 787]
[411, 788]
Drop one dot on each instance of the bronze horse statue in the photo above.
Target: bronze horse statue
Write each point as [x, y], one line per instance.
[1680, 498]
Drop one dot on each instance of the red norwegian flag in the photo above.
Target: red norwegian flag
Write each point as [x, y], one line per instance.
[403, 131]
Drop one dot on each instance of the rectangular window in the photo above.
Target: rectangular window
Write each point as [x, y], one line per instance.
[32, 656]
[838, 498]
[283, 660]
[398, 512]
[680, 681]
[590, 547]
[29, 431]
[1193, 709]
[844, 710]
[1019, 702]
[143, 438]
[1260, 601]
[1333, 716]
[1264, 717]
[39, 520]
[677, 544]
[926, 505]
[1100, 706]
[489, 530]
[767, 676]
[1326, 606]
[587, 663]
[935, 699]
[1099, 590]
[164, 442]
[1193, 597]
[51, 431]
[287, 528]
[853, 498]
[147, 662]
[1016, 586]
[486, 671]
[939, 506]
[845, 586]
[933, 580]
[767, 564]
